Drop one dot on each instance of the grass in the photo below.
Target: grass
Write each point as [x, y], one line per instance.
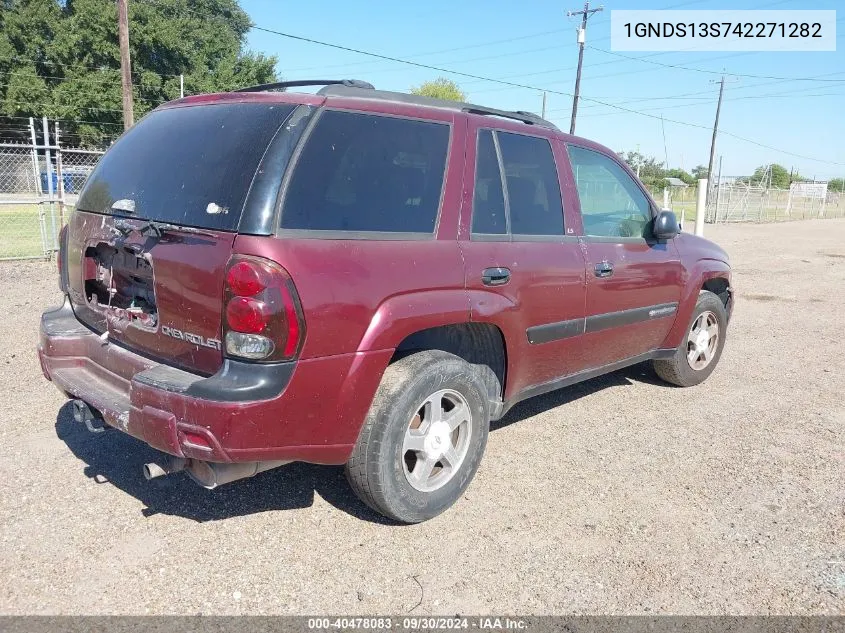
[20, 230]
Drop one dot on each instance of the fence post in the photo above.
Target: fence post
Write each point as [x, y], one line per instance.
[700, 206]
[60, 177]
[50, 190]
[36, 172]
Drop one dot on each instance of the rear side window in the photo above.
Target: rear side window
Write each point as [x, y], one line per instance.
[533, 185]
[488, 206]
[368, 173]
[533, 205]
[190, 165]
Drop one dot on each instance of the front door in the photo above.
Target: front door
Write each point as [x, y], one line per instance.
[633, 282]
[523, 272]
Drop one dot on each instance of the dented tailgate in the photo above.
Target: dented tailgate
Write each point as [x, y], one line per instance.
[158, 295]
[153, 229]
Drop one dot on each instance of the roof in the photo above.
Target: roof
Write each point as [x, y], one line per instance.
[358, 89]
[676, 182]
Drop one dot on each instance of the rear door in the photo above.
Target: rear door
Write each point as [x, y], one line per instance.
[523, 271]
[633, 282]
[155, 223]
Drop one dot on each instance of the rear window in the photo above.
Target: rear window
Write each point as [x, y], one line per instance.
[190, 165]
[368, 173]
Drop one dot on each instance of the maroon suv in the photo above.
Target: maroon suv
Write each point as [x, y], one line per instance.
[364, 278]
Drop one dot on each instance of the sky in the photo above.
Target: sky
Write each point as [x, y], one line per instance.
[533, 43]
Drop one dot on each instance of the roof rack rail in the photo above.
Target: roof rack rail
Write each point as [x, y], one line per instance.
[281, 85]
[520, 115]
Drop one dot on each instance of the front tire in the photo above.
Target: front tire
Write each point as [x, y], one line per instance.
[423, 438]
[699, 352]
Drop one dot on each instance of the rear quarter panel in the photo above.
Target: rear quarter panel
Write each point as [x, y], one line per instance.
[362, 295]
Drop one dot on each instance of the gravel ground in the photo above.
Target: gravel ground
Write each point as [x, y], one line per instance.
[620, 495]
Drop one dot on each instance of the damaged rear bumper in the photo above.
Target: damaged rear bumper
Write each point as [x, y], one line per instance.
[245, 412]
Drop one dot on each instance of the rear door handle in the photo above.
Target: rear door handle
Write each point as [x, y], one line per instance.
[495, 276]
[604, 269]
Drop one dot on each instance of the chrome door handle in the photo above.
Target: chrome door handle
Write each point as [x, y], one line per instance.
[604, 269]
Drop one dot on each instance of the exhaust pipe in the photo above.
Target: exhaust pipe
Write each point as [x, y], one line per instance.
[171, 465]
[209, 474]
[212, 474]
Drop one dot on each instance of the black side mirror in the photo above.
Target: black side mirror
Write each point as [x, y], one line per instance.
[665, 225]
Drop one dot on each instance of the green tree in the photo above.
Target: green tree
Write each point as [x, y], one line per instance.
[60, 58]
[836, 184]
[779, 178]
[681, 174]
[699, 172]
[440, 88]
[650, 170]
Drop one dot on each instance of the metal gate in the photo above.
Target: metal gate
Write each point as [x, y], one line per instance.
[39, 184]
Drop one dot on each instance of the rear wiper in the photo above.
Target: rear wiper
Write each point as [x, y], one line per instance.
[153, 228]
[158, 229]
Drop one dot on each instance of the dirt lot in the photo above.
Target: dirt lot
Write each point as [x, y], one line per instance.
[620, 495]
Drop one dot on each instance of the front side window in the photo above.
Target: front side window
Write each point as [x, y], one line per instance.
[368, 173]
[612, 205]
[533, 204]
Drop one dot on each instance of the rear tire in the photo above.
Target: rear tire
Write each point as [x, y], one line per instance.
[699, 352]
[423, 438]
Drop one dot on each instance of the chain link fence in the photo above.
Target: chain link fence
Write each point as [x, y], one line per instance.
[39, 184]
[735, 200]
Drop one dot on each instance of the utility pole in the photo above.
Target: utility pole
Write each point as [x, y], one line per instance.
[715, 130]
[544, 105]
[125, 63]
[582, 38]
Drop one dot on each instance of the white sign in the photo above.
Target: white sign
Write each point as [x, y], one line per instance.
[814, 190]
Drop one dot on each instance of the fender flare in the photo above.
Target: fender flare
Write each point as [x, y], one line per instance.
[702, 271]
[403, 314]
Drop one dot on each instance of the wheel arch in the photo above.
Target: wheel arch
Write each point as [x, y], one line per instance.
[706, 274]
[482, 345]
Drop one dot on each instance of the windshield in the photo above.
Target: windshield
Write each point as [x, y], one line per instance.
[189, 166]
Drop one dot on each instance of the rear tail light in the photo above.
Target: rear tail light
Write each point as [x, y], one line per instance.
[263, 316]
[247, 315]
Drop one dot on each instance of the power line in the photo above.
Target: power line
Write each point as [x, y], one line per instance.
[528, 87]
[460, 61]
[784, 95]
[399, 61]
[626, 72]
[710, 92]
[446, 50]
[711, 72]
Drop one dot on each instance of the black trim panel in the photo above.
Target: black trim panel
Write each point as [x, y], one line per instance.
[62, 321]
[581, 376]
[608, 320]
[555, 331]
[236, 381]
